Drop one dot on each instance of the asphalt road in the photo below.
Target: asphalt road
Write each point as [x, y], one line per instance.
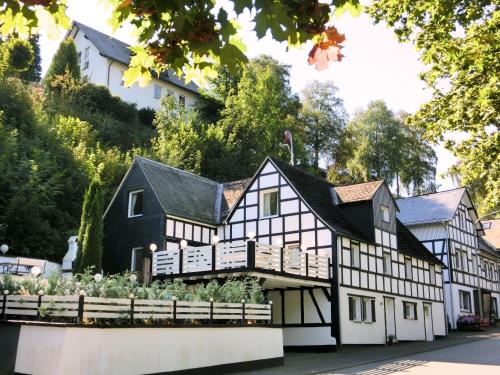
[474, 358]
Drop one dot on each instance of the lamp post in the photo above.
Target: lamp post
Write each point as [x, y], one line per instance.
[215, 241]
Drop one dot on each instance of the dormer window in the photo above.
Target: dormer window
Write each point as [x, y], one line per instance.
[269, 203]
[135, 203]
[384, 213]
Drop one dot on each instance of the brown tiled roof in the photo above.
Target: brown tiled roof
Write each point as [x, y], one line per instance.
[233, 190]
[358, 192]
[492, 232]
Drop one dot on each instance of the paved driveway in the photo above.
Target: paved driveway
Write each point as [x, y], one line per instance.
[355, 359]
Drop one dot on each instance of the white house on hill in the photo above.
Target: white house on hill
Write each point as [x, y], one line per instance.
[104, 59]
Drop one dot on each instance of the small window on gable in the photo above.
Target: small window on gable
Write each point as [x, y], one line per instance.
[269, 203]
[384, 213]
[157, 93]
[410, 310]
[408, 269]
[182, 101]
[355, 255]
[122, 81]
[135, 203]
[86, 57]
[387, 263]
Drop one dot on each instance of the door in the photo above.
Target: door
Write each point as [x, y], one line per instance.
[137, 262]
[390, 319]
[429, 328]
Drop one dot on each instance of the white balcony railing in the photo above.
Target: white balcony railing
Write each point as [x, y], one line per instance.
[241, 255]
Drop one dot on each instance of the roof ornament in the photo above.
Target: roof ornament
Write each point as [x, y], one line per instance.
[289, 144]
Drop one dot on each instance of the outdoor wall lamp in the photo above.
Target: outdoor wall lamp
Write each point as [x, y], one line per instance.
[215, 239]
[251, 235]
[183, 244]
[153, 247]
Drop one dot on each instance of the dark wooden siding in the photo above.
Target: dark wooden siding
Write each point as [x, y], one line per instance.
[383, 197]
[121, 233]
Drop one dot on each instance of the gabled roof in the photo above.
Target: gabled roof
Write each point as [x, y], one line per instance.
[488, 247]
[430, 208]
[181, 193]
[358, 192]
[318, 195]
[492, 232]
[408, 244]
[119, 51]
[233, 190]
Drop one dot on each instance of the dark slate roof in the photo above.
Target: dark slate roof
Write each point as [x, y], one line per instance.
[181, 193]
[430, 208]
[119, 51]
[492, 232]
[488, 247]
[408, 244]
[358, 192]
[317, 193]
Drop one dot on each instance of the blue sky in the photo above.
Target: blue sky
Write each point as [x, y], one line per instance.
[376, 65]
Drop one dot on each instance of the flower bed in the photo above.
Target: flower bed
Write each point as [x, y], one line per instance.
[471, 323]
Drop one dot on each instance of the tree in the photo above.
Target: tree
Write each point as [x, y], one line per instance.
[65, 61]
[197, 35]
[458, 40]
[34, 71]
[324, 118]
[91, 230]
[257, 115]
[16, 57]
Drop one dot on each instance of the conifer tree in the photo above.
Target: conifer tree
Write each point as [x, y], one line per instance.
[65, 61]
[34, 72]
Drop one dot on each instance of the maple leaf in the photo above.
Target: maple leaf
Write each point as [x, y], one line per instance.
[326, 50]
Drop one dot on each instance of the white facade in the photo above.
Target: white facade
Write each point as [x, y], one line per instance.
[107, 72]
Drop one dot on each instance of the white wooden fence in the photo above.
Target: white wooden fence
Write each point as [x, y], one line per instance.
[239, 254]
[82, 307]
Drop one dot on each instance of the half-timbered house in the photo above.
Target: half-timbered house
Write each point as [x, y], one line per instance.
[337, 264]
[447, 224]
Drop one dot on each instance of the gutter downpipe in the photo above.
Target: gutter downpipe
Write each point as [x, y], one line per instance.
[452, 323]
[109, 69]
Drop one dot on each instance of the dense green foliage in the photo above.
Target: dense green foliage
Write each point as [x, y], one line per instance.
[34, 71]
[378, 145]
[231, 290]
[459, 42]
[91, 229]
[65, 61]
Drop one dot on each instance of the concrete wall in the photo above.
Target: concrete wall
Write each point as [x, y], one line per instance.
[77, 350]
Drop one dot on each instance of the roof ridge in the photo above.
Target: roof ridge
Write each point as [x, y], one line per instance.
[78, 23]
[435, 193]
[360, 183]
[163, 165]
[236, 181]
[274, 159]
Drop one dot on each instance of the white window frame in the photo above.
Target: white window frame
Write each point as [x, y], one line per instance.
[261, 203]
[129, 207]
[157, 95]
[355, 255]
[465, 296]
[362, 311]
[86, 57]
[122, 81]
[385, 213]
[133, 258]
[357, 318]
[432, 274]
[387, 267]
[410, 314]
[408, 269]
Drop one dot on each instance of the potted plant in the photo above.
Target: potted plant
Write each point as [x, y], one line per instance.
[391, 339]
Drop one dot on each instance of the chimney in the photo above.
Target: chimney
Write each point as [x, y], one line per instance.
[335, 197]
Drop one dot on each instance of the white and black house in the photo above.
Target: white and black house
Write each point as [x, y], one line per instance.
[337, 264]
[447, 224]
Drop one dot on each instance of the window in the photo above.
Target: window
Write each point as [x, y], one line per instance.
[408, 269]
[355, 255]
[362, 309]
[432, 274]
[494, 306]
[135, 203]
[122, 81]
[182, 101]
[457, 260]
[464, 297]
[86, 57]
[385, 213]
[465, 264]
[137, 256]
[387, 263]
[269, 203]
[80, 58]
[410, 310]
[157, 92]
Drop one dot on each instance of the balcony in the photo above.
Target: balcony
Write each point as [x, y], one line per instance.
[241, 258]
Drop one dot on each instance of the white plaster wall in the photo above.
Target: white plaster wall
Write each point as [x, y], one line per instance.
[97, 72]
[307, 336]
[69, 350]
[453, 303]
[438, 319]
[409, 329]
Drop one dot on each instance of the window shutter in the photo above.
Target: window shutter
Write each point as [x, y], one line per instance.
[351, 308]
[415, 310]
[373, 310]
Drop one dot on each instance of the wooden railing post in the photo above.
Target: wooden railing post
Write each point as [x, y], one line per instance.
[4, 306]
[174, 313]
[330, 266]
[214, 249]
[243, 311]
[282, 258]
[39, 304]
[307, 264]
[251, 254]
[132, 297]
[270, 312]
[81, 303]
[211, 310]
[180, 260]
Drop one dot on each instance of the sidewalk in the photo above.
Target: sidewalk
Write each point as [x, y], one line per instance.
[349, 356]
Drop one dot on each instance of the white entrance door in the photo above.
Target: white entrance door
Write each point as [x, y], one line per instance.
[429, 329]
[390, 319]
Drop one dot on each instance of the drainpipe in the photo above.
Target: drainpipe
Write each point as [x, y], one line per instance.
[448, 243]
[109, 69]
